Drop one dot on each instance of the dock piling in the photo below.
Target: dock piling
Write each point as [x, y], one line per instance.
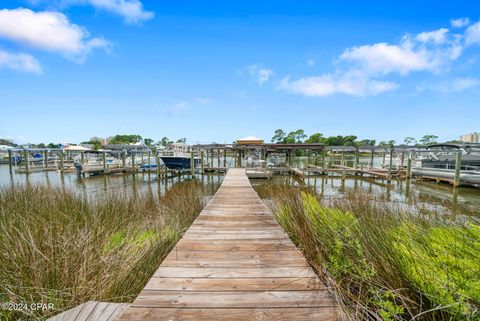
[458, 164]
[10, 161]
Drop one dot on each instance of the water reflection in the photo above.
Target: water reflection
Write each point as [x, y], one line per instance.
[408, 194]
[96, 186]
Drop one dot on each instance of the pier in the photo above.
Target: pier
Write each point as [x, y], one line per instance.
[234, 263]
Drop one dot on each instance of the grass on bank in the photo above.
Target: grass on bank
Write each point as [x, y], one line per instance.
[384, 262]
[57, 247]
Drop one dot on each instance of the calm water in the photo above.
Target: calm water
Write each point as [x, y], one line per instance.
[103, 184]
[443, 198]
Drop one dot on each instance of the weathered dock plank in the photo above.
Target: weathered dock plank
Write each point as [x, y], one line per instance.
[234, 263]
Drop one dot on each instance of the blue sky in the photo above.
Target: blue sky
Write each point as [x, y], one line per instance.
[220, 70]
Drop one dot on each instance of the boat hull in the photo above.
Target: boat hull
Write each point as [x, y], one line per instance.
[178, 163]
[470, 177]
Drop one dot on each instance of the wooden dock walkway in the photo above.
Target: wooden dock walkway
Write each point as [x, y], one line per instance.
[234, 263]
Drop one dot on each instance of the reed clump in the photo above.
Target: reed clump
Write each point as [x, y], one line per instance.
[384, 261]
[58, 247]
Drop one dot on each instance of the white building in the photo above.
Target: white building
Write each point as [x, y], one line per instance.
[470, 138]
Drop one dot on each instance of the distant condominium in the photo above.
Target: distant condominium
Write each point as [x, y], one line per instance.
[470, 138]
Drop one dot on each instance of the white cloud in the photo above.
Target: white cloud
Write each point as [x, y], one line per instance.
[360, 69]
[460, 22]
[132, 11]
[472, 34]
[461, 84]
[261, 75]
[437, 36]
[50, 31]
[20, 62]
[353, 83]
[202, 101]
[178, 108]
[310, 62]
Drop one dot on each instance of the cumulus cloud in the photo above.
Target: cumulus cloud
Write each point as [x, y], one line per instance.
[261, 75]
[49, 31]
[460, 22]
[360, 69]
[131, 11]
[437, 36]
[354, 83]
[20, 62]
[472, 34]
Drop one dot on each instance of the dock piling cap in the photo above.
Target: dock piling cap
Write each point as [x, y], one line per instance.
[250, 140]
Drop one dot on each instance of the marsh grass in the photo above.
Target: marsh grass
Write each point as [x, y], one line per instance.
[384, 261]
[57, 247]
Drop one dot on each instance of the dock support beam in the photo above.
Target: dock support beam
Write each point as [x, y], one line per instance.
[45, 158]
[225, 158]
[61, 162]
[458, 164]
[371, 157]
[323, 159]
[201, 161]
[192, 164]
[27, 165]
[409, 166]
[104, 159]
[389, 178]
[357, 158]
[10, 161]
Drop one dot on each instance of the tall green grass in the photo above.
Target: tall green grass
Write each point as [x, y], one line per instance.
[384, 261]
[57, 247]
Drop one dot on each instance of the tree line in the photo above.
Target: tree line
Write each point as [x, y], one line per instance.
[299, 137]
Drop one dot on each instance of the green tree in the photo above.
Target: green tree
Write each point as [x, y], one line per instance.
[148, 141]
[349, 140]
[182, 141]
[279, 136]
[125, 139]
[165, 141]
[52, 145]
[429, 139]
[295, 137]
[366, 142]
[409, 140]
[316, 138]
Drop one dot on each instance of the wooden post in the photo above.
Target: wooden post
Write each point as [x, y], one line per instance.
[323, 158]
[149, 161]
[357, 158]
[201, 162]
[218, 157]
[27, 165]
[342, 162]
[371, 158]
[402, 160]
[45, 158]
[61, 162]
[390, 165]
[82, 158]
[133, 160]
[104, 159]
[384, 153]
[124, 154]
[207, 157]
[10, 160]
[192, 164]
[211, 157]
[458, 165]
[225, 157]
[409, 166]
